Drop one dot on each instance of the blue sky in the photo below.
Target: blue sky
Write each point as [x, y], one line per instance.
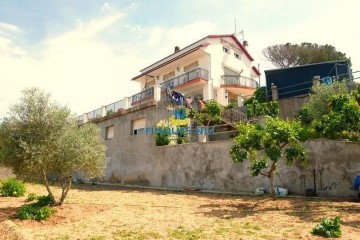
[85, 52]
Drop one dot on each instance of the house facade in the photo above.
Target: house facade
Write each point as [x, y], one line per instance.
[215, 67]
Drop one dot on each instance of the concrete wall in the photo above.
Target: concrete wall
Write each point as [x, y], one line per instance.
[289, 107]
[135, 160]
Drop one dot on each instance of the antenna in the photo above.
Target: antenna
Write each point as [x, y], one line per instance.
[235, 25]
[245, 43]
[238, 33]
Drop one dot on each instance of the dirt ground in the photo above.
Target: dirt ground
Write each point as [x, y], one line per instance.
[111, 212]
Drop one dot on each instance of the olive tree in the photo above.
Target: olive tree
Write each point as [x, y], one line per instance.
[41, 141]
[265, 146]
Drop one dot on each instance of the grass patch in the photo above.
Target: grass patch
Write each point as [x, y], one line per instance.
[135, 235]
[96, 238]
[188, 234]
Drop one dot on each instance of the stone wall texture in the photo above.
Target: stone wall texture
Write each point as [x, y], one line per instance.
[135, 160]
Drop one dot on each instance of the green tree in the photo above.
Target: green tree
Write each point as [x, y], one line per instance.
[289, 55]
[258, 105]
[342, 121]
[40, 141]
[316, 107]
[211, 113]
[266, 146]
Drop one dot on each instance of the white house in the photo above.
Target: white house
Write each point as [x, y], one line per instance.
[215, 67]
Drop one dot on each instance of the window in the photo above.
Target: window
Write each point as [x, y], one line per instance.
[228, 71]
[109, 132]
[236, 55]
[225, 50]
[138, 126]
[169, 76]
[191, 66]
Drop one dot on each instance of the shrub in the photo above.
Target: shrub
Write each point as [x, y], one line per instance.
[44, 213]
[29, 211]
[26, 212]
[318, 101]
[31, 197]
[13, 188]
[43, 201]
[328, 228]
[39, 210]
[230, 105]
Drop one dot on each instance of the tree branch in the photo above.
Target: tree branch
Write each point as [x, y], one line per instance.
[48, 187]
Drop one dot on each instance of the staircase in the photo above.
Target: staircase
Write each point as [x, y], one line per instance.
[231, 116]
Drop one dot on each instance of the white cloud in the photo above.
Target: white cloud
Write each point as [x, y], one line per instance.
[8, 48]
[77, 67]
[9, 27]
[133, 7]
[162, 40]
[105, 7]
[84, 31]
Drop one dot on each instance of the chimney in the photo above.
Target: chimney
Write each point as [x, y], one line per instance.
[245, 43]
[177, 49]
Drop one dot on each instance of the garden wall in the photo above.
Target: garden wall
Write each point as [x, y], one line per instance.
[208, 166]
[135, 160]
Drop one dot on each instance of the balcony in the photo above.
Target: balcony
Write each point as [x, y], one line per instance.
[194, 77]
[239, 84]
[142, 97]
[115, 107]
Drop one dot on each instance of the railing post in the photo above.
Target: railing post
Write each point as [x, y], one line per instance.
[274, 91]
[103, 111]
[316, 80]
[126, 103]
[240, 100]
[157, 93]
[85, 118]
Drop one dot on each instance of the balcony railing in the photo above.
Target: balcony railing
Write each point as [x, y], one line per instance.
[186, 77]
[143, 96]
[239, 81]
[116, 106]
[94, 114]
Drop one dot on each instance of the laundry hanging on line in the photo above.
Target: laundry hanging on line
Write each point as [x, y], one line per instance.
[179, 98]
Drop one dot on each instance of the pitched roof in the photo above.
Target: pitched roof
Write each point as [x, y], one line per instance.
[256, 70]
[188, 49]
[237, 42]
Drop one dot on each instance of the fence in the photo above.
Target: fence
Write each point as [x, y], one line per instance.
[239, 80]
[116, 106]
[143, 96]
[186, 77]
[94, 114]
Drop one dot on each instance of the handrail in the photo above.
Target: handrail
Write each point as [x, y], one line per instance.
[239, 80]
[186, 77]
[147, 93]
[115, 106]
[234, 116]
